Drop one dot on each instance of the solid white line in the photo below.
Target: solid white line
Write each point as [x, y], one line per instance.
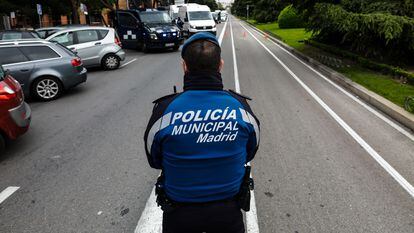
[127, 63]
[7, 193]
[251, 216]
[400, 179]
[151, 218]
[236, 70]
[220, 40]
[366, 106]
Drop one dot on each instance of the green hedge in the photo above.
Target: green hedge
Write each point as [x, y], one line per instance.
[383, 68]
[289, 18]
[377, 34]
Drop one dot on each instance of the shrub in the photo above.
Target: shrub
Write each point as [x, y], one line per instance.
[289, 18]
[380, 35]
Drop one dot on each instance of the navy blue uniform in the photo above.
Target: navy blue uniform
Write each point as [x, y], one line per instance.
[201, 139]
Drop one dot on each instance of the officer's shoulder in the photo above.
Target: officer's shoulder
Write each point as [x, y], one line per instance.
[165, 98]
[238, 95]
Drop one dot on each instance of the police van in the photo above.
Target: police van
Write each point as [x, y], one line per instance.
[146, 29]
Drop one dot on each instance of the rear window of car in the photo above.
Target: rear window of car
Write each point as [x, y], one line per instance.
[87, 36]
[64, 48]
[11, 55]
[18, 35]
[38, 52]
[103, 33]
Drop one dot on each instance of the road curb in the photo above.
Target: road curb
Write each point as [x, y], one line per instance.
[394, 111]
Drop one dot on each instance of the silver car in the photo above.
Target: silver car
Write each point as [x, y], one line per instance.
[44, 69]
[97, 46]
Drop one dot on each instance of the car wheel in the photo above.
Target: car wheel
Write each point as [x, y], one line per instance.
[47, 88]
[2, 144]
[111, 62]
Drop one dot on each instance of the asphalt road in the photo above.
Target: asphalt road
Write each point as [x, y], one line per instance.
[82, 166]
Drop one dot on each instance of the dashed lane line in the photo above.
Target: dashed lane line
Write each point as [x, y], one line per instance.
[127, 63]
[7, 193]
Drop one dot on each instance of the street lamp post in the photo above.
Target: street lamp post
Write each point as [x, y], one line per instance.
[247, 11]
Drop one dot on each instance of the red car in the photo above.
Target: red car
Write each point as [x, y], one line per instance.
[15, 114]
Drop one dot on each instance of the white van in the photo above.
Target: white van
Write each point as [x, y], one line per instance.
[196, 18]
[174, 11]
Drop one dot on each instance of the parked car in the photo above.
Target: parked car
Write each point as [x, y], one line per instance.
[15, 114]
[44, 69]
[18, 34]
[47, 31]
[147, 29]
[97, 46]
[223, 16]
[197, 18]
[215, 17]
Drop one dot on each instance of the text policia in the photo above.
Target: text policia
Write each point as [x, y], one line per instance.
[216, 125]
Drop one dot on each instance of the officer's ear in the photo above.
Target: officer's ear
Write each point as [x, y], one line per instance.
[221, 65]
[185, 69]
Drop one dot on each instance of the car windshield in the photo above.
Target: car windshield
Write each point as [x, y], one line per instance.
[200, 15]
[155, 17]
[42, 34]
[46, 32]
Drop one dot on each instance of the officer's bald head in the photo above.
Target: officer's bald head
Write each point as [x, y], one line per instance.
[202, 55]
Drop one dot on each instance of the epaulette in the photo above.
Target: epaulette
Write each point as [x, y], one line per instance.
[165, 98]
[238, 94]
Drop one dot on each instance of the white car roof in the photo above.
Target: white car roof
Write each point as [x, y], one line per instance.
[196, 7]
[24, 42]
[72, 29]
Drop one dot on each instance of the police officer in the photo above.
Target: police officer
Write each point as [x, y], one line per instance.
[202, 139]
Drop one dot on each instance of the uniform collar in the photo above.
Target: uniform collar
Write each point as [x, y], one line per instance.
[203, 81]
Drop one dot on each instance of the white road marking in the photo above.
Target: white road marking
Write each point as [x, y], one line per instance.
[7, 193]
[366, 106]
[151, 218]
[127, 63]
[236, 70]
[251, 216]
[388, 168]
[220, 40]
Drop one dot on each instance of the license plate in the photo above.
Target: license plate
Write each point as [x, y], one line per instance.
[169, 44]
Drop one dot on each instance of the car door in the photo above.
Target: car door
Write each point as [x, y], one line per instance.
[88, 46]
[17, 65]
[128, 28]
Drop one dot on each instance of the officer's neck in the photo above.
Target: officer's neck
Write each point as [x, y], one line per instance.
[203, 81]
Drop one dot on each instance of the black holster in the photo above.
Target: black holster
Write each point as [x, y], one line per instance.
[243, 197]
[163, 201]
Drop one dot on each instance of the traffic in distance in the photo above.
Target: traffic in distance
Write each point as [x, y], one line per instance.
[42, 64]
